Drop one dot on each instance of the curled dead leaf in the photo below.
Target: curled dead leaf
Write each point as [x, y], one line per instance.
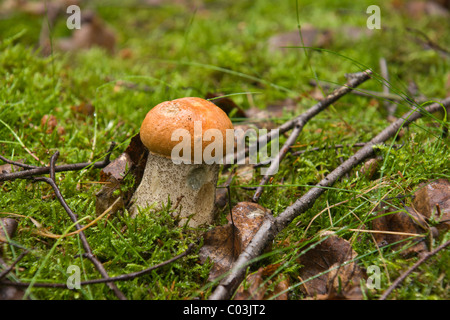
[256, 287]
[84, 109]
[7, 228]
[396, 225]
[8, 168]
[432, 200]
[330, 256]
[131, 161]
[224, 244]
[49, 123]
[370, 167]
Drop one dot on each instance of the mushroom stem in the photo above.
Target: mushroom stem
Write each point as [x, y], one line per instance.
[191, 189]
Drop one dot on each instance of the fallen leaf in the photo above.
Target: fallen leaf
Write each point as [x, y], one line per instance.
[224, 244]
[7, 228]
[369, 168]
[330, 254]
[8, 168]
[11, 293]
[84, 109]
[248, 217]
[397, 225]
[49, 123]
[432, 199]
[94, 32]
[420, 9]
[255, 287]
[131, 161]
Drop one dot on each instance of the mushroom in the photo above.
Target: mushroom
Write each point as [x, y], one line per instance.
[185, 172]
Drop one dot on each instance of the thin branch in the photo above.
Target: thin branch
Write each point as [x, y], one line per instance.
[98, 265]
[353, 82]
[65, 167]
[5, 272]
[274, 165]
[299, 122]
[410, 270]
[16, 163]
[272, 226]
[123, 277]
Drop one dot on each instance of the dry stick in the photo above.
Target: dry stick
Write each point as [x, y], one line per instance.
[276, 162]
[123, 277]
[396, 98]
[354, 81]
[299, 122]
[272, 226]
[45, 170]
[410, 270]
[98, 265]
[336, 146]
[9, 269]
[16, 163]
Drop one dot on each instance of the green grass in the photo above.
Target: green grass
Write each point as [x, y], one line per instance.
[222, 48]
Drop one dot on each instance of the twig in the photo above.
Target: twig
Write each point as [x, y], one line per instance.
[272, 226]
[11, 267]
[74, 218]
[410, 270]
[16, 163]
[299, 122]
[353, 82]
[373, 94]
[276, 162]
[428, 42]
[65, 167]
[123, 277]
[296, 153]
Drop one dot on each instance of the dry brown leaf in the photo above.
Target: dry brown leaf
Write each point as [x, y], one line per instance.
[8, 168]
[7, 228]
[84, 109]
[131, 161]
[248, 217]
[94, 32]
[329, 254]
[223, 244]
[432, 199]
[420, 9]
[255, 287]
[49, 123]
[396, 225]
[370, 167]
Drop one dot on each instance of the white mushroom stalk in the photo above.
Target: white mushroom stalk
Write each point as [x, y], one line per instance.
[179, 171]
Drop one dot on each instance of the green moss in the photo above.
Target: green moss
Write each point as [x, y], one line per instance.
[219, 47]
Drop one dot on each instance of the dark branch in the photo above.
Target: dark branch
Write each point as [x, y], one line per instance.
[34, 171]
[124, 277]
[74, 218]
[272, 226]
[299, 122]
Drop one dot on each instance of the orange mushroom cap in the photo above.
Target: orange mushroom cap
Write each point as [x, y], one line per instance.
[162, 120]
